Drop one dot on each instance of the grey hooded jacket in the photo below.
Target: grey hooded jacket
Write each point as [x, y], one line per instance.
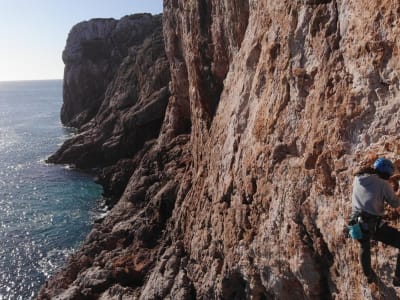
[370, 192]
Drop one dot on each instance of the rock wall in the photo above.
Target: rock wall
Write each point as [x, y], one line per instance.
[285, 99]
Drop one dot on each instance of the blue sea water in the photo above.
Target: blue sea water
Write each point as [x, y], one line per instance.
[45, 210]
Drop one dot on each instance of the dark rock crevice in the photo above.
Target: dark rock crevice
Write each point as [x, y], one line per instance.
[233, 287]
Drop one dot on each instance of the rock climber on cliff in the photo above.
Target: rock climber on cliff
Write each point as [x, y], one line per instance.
[372, 187]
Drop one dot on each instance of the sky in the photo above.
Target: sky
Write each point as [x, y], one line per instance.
[33, 32]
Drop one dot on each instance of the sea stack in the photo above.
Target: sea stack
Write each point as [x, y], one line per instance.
[226, 135]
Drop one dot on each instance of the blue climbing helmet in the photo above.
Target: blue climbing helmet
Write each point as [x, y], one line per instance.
[384, 166]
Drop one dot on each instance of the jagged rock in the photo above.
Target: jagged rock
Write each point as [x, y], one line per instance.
[123, 247]
[115, 178]
[283, 99]
[129, 107]
[118, 292]
[92, 56]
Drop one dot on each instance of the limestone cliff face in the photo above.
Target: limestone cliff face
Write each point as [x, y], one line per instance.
[285, 99]
[94, 51]
[115, 89]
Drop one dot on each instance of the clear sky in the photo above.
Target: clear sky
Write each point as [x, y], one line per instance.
[33, 32]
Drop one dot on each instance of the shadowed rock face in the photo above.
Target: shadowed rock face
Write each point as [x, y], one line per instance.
[93, 54]
[115, 89]
[284, 99]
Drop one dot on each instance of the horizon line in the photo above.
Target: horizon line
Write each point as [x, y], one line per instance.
[17, 80]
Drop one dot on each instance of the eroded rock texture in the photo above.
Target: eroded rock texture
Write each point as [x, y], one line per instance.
[284, 99]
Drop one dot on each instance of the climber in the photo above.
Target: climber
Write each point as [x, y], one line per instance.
[372, 187]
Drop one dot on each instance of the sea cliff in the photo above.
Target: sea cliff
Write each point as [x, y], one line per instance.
[225, 137]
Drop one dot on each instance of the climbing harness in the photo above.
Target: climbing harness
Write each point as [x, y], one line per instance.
[362, 222]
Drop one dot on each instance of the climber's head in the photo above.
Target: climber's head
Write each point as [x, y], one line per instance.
[384, 167]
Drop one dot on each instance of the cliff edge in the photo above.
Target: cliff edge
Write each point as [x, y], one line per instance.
[241, 187]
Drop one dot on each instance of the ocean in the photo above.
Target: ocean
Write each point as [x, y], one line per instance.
[45, 210]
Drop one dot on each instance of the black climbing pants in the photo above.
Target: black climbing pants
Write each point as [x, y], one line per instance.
[385, 234]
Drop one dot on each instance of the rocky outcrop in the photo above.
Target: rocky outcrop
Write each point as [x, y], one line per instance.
[284, 99]
[93, 54]
[122, 249]
[124, 104]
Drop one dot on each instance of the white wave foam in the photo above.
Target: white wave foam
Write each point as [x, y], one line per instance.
[53, 260]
